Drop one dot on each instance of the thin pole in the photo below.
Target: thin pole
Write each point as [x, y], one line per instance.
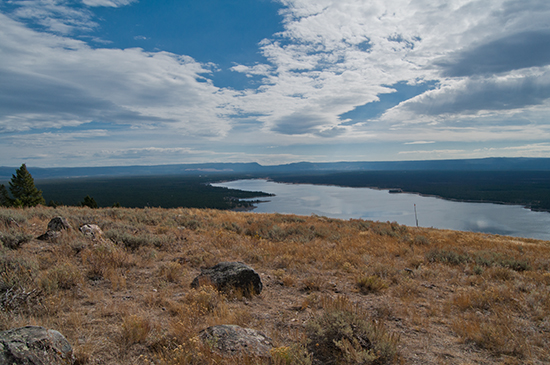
[415, 216]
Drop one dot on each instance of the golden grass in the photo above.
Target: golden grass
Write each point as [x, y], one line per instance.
[433, 296]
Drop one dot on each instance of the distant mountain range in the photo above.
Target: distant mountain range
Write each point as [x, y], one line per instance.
[484, 164]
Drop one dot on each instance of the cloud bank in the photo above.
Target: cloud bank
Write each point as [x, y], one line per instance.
[482, 71]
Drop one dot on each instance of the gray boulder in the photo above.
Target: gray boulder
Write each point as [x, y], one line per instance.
[58, 224]
[230, 276]
[236, 340]
[92, 231]
[55, 227]
[33, 345]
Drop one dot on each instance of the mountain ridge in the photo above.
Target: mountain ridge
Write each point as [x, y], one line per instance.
[483, 164]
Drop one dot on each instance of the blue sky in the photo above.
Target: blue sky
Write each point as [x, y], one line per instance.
[136, 82]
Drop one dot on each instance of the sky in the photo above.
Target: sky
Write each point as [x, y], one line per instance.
[142, 82]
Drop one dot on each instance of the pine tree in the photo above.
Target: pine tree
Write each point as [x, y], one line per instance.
[5, 200]
[89, 202]
[23, 190]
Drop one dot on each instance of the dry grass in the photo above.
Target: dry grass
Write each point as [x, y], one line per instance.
[378, 292]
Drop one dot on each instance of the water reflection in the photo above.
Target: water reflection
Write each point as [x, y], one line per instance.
[379, 205]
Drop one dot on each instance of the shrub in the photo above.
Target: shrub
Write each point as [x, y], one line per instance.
[497, 334]
[135, 329]
[16, 271]
[447, 257]
[344, 334]
[497, 259]
[205, 300]
[312, 283]
[371, 284]
[171, 272]
[9, 217]
[13, 240]
[290, 355]
[421, 241]
[102, 258]
[134, 242]
[17, 289]
[65, 276]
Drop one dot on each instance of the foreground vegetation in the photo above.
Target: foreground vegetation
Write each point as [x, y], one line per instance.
[413, 295]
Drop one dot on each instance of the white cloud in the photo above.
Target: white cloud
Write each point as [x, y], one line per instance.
[332, 57]
[108, 3]
[41, 140]
[55, 16]
[56, 81]
[420, 142]
[432, 152]
[336, 55]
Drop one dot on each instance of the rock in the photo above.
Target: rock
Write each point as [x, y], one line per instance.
[58, 224]
[33, 345]
[49, 236]
[234, 340]
[230, 276]
[92, 230]
[55, 227]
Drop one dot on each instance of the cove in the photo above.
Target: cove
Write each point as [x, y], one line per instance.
[380, 205]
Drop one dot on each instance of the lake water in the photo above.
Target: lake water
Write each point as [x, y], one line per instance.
[380, 205]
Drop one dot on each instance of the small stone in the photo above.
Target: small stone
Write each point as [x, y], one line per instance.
[234, 340]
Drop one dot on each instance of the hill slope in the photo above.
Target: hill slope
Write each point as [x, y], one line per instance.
[434, 296]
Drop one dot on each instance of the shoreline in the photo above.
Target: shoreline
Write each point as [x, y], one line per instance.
[402, 191]
[483, 219]
[405, 191]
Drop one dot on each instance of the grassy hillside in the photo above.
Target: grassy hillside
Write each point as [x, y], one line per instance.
[426, 296]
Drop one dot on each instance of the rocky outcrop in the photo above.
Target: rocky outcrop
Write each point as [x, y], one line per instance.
[33, 345]
[229, 277]
[235, 340]
[55, 227]
[58, 224]
[92, 231]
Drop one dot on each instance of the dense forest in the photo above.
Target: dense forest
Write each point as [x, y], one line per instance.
[139, 192]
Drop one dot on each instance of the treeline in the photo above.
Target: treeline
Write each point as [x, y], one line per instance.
[526, 188]
[139, 192]
[134, 192]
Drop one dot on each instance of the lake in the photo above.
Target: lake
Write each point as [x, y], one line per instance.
[380, 205]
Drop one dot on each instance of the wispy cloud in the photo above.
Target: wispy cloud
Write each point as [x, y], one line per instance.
[108, 3]
[432, 152]
[420, 142]
[55, 81]
[55, 16]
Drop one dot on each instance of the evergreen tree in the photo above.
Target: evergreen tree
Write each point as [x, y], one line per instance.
[5, 200]
[89, 202]
[23, 190]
